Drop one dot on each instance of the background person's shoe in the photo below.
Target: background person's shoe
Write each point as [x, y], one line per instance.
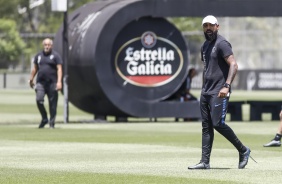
[200, 165]
[273, 143]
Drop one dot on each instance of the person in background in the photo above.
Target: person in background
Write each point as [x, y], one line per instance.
[184, 94]
[48, 67]
[220, 68]
[276, 141]
[184, 90]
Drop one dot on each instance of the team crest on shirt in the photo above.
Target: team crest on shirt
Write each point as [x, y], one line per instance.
[213, 49]
[52, 56]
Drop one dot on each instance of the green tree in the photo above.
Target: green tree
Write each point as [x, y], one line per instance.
[21, 16]
[11, 44]
[8, 9]
[187, 23]
[195, 40]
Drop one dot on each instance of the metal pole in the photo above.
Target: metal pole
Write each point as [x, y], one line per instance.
[65, 67]
[4, 80]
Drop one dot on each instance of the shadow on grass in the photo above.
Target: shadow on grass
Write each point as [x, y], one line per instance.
[220, 168]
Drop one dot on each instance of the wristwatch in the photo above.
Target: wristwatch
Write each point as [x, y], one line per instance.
[226, 85]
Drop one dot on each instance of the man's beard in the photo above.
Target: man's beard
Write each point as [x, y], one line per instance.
[47, 52]
[211, 37]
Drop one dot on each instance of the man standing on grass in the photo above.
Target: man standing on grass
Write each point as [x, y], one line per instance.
[276, 141]
[220, 68]
[48, 67]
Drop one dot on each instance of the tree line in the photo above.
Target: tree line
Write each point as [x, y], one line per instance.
[36, 16]
[27, 17]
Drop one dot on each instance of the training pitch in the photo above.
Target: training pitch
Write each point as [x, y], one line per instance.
[132, 153]
[139, 152]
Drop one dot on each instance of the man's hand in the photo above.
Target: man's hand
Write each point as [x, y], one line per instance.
[59, 86]
[31, 84]
[223, 92]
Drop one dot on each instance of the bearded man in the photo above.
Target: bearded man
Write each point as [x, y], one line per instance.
[220, 68]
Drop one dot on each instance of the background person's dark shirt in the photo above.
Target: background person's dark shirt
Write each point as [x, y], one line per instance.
[47, 66]
[215, 67]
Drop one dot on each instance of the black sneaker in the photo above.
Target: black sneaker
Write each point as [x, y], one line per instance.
[273, 143]
[43, 123]
[200, 165]
[243, 158]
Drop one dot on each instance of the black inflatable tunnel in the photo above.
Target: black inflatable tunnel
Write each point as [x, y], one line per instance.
[125, 62]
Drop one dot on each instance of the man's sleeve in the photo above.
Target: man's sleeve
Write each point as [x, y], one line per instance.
[35, 59]
[225, 49]
[59, 60]
[202, 54]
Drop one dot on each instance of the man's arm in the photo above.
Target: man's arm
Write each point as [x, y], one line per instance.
[32, 75]
[233, 67]
[59, 74]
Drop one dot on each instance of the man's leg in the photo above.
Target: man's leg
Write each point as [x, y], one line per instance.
[280, 125]
[207, 130]
[276, 141]
[53, 101]
[218, 110]
[279, 132]
[207, 135]
[40, 93]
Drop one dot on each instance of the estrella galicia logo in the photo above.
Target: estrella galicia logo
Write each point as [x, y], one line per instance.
[148, 60]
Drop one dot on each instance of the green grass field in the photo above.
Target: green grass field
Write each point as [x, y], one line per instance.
[139, 152]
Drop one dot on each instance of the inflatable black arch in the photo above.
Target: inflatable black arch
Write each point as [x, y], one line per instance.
[92, 31]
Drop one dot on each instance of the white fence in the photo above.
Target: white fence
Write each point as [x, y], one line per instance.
[14, 81]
